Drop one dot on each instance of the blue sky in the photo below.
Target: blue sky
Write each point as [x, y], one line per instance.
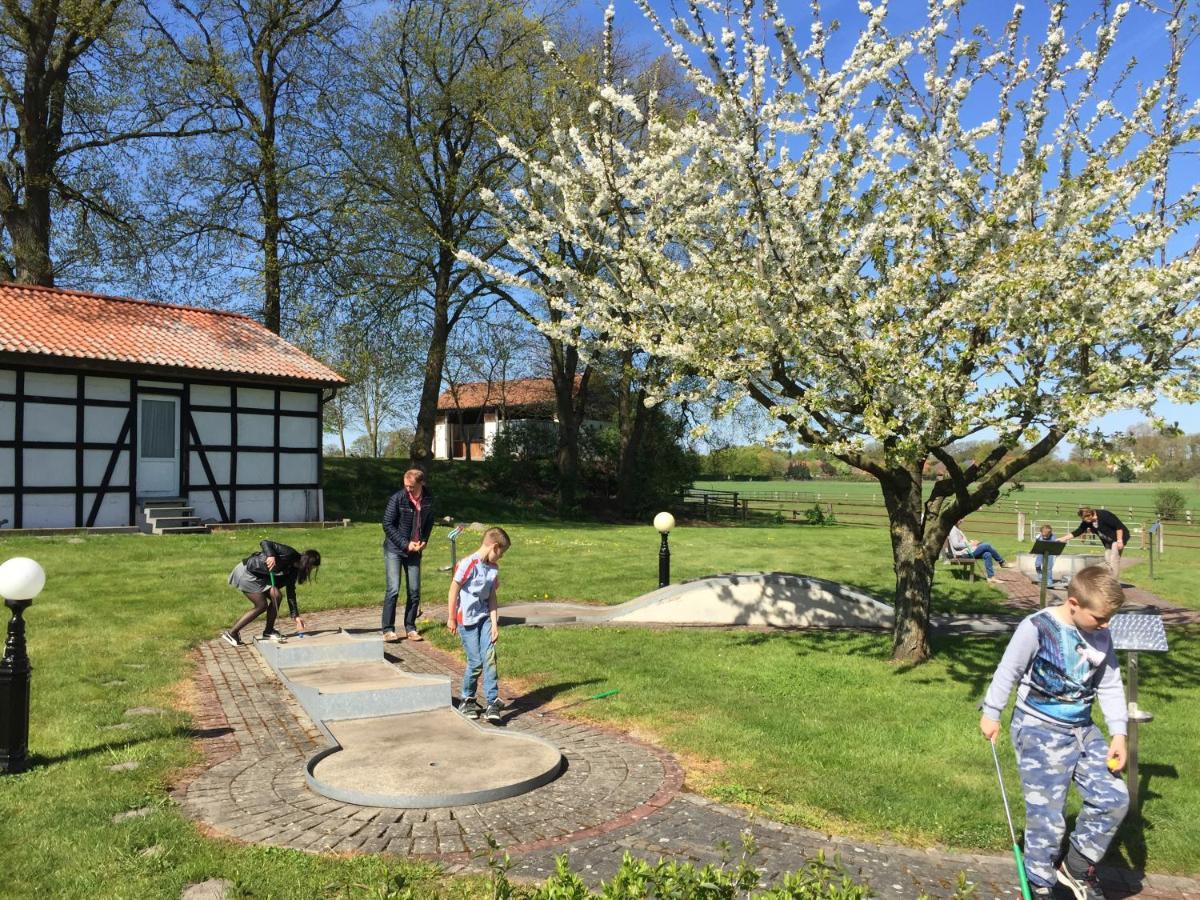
[1138, 41]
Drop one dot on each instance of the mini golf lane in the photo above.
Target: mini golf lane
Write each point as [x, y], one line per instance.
[425, 759]
[395, 739]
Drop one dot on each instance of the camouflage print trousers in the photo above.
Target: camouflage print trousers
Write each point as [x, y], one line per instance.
[1049, 759]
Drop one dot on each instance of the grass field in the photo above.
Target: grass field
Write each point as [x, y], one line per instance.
[1063, 498]
[871, 749]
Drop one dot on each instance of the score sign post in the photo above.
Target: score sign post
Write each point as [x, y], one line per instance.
[452, 537]
[1046, 549]
[1135, 633]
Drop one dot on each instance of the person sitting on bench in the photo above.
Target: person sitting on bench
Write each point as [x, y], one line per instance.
[962, 548]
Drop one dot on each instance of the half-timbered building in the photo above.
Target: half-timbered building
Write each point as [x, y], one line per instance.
[109, 403]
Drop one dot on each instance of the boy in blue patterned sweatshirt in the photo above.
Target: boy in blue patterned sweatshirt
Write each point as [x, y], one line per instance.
[472, 614]
[1063, 659]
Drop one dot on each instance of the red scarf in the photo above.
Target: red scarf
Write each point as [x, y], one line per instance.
[416, 503]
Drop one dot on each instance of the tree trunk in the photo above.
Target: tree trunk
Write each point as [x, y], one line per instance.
[632, 419]
[913, 565]
[421, 449]
[272, 223]
[28, 229]
[564, 361]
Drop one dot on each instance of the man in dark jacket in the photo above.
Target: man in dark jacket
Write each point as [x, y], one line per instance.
[1112, 533]
[407, 523]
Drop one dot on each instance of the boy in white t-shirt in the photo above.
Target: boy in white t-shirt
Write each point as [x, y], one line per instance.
[473, 617]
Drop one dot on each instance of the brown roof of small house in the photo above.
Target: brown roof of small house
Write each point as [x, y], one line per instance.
[520, 392]
[58, 323]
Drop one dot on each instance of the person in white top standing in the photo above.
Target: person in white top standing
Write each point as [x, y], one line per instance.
[473, 617]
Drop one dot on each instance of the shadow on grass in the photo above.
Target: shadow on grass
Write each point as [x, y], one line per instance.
[1131, 840]
[536, 699]
[38, 760]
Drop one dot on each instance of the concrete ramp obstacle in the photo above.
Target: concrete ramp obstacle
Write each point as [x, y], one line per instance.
[776, 599]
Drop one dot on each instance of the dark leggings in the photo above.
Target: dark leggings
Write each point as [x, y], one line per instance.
[263, 602]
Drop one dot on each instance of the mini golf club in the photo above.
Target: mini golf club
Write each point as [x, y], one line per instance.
[599, 696]
[1011, 832]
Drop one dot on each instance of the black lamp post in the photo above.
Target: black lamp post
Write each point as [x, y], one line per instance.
[21, 579]
[664, 522]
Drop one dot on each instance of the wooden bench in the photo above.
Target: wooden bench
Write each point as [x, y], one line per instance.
[962, 562]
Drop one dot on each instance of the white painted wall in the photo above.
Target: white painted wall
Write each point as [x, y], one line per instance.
[441, 440]
[102, 424]
[210, 395]
[255, 430]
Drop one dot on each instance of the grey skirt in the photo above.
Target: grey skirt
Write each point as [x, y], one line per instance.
[247, 582]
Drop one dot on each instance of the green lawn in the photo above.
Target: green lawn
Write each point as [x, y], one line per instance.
[119, 614]
[1050, 498]
[819, 730]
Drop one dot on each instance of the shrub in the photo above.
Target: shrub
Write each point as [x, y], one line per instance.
[682, 881]
[817, 515]
[1169, 503]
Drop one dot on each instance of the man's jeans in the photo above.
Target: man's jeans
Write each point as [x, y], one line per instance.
[481, 657]
[392, 564]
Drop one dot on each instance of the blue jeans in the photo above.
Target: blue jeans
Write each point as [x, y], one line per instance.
[481, 657]
[988, 554]
[1049, 568]
[392, 564]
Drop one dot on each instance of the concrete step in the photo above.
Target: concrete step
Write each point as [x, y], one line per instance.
[160, 512]
[184, 529]
[176, 522]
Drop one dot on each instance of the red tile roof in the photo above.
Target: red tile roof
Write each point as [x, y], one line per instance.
[521, 392]
[53, 322]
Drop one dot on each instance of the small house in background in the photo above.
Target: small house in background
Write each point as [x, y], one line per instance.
[109, 405]
[470, 415]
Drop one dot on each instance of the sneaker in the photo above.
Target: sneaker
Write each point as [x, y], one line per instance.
[1037, 890]
[391, 637]
[274, 637]
[492, 713]
[415, 636]
[231, 639]
[469, 708]
[1084, 886]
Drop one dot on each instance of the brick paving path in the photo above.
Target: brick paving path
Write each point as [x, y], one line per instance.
[1024, 596]
[616, 795]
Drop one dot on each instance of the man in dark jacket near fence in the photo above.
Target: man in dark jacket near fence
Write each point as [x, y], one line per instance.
[1112, 533]
[407, 523]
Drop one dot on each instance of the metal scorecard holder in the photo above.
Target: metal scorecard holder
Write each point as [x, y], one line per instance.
[1046, 549]
[452, 537]
[1134, 633]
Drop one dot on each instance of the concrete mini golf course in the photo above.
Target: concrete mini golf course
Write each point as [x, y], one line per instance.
[396, 741]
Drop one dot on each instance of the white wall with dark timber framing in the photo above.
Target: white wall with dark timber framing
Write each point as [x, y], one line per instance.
[81, 448]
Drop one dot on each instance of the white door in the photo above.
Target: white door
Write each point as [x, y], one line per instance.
[158, 447]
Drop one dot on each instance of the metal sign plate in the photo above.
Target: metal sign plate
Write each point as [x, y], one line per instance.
[1131, 631]
[1048, 548]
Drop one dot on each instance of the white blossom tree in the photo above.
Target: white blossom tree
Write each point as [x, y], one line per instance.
[946, 235]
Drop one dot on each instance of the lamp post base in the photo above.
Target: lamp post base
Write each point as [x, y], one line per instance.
[14, 694]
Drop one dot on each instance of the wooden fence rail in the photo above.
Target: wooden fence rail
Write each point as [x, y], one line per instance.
[794, 507]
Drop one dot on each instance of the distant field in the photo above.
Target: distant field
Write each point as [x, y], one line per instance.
[1056, 498]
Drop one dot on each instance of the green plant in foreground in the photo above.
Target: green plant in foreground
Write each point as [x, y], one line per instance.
[637, 878]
